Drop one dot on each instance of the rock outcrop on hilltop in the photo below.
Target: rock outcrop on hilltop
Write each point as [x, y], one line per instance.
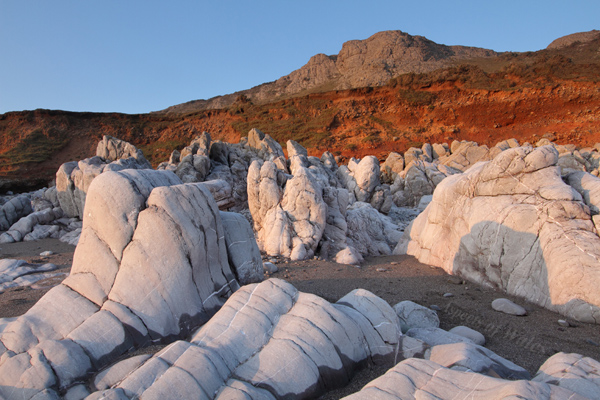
[360, 63]
[512, 223]
[568, 40]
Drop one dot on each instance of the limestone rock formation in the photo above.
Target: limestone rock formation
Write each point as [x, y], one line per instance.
[573, 372]
[73, 178]
[13, 209]
[152, 265]
[415, 378]
[269, 341]
[113, 149]
[513, 224]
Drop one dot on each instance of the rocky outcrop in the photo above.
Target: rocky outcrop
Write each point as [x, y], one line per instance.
[573, 372]
[113, 149]
[151, 266]
[415, 378]
[12, 210]
[360, 63]
[513, 224]
[73, 178]
[291, 221]
[265, 334]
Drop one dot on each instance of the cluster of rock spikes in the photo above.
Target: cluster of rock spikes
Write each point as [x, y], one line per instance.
[160, 261]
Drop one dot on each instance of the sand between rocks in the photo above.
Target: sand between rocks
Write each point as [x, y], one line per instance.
[527, 341]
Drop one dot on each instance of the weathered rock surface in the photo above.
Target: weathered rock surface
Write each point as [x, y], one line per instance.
[513, 224]
[242, 249]
[73, 178]
[415, 379]
[573, 372]
[25, 228]
[20, 273]
[413, 315]
[474, 358]
[13, 210]
[113, 149]
[269, 341]
[151, 266]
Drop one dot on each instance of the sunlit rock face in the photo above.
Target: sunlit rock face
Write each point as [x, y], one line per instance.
[151, 266]
[512, 223]
[270, 341]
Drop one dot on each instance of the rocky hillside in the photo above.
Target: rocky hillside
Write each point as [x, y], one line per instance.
[370, 62]
[485, 99]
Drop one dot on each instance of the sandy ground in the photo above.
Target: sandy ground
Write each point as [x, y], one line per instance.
[527, 341]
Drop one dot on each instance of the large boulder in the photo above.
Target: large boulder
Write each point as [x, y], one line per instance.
[266, 147]
[151, 266]
[513, 224]
[269, 341]
[288, 221]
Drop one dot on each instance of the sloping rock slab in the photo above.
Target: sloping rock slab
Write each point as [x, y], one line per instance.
[423, 379]
[572, 371]
[270, 341]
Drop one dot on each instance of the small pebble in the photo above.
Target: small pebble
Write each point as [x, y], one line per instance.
[434, 307]
[381, 270]
[448, 295]
[592, 342]
[47, 253]
[564, 323]
[394, 263]
[508, 307]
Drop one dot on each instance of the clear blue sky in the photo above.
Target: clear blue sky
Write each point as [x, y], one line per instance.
[138, 56]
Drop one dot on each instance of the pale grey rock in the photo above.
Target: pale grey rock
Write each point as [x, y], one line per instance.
[72, 237]
[436, 336]
[26, 225]
[76, 392]
[424, 202]
[290, 221]
[266, 147]
[465, 154]
[269, 267]
[469, 333]
[588, 186]
[420, 179]
[124, 290]
[508, 307]
[73, 179]
[113, 149]
[370, 232]
[13, 210]
[393, 165]
[573, 372]
[367, 178]
[115, 373]
[415, 378]
[439, 150]
[349, 256]
[243, 253]
[413, 315]
[410, 347]
[328, 161]
[264, 334]
[295, 149]
[474, 358]
[15, 273]
[513, 224]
